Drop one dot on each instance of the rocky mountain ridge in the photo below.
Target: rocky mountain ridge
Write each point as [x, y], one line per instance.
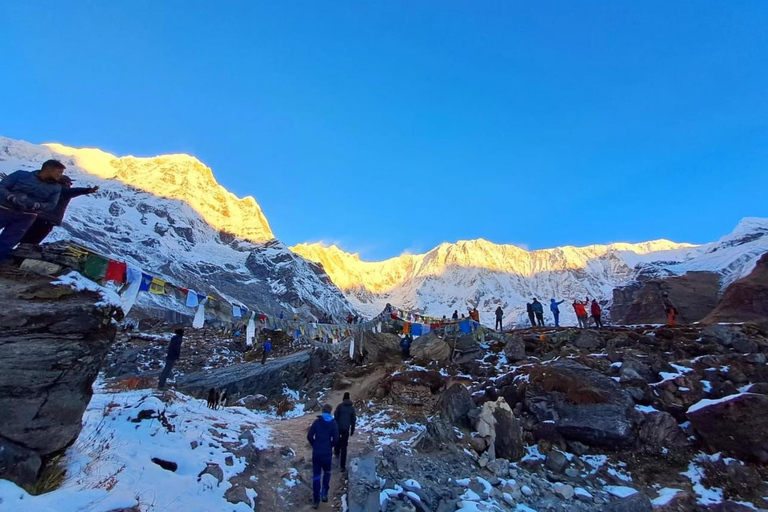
[483, 274]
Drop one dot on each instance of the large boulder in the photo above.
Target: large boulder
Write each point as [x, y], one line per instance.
[466, 348]
[745, 300]
[585, 405]
[378, 348]
[432, 348]
[498, 425]
[456, 403]
[53, 340]
[736, 425]
[694, 295]
[660, 430]
[240, 380]
[589, 339]
[514, 349]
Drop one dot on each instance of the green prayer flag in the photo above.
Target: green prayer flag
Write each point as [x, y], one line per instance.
[95, 267]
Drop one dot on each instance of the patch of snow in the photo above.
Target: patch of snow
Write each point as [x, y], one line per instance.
[80, 283]
[619, 491]
[665, 496]
[647, 409]
[701, 404]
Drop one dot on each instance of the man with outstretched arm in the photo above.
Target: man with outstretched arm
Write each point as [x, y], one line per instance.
[23, 195]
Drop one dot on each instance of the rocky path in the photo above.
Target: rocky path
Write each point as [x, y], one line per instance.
[285, 476]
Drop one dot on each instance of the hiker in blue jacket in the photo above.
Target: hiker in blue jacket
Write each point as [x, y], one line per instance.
[323, 435]
[553, 307]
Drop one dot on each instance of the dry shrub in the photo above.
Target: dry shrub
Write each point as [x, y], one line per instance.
[51, 477]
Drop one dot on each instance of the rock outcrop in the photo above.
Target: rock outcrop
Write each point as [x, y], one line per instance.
[251, 378]
[746, 300]
[694, 295]
[53, 341]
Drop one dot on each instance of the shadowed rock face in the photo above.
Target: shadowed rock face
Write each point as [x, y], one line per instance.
[693, 294]
[251, 378]
[53, 341]
[746, 300]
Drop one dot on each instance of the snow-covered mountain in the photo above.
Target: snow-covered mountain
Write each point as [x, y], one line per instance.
[479, 273]
[169, 216]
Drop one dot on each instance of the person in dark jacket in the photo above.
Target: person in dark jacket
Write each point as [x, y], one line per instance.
[174, 352]
[323, 435]
[46, 221]
[267, 350]
[23, 195]
[455, 316]
[531, 317]
[345, 420]
[554, 307]
[499, 318]
[538, 310]
[596, 313]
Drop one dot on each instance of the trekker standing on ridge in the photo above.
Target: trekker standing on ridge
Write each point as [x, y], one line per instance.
[323, 435]
[669, 309]
[267, 350]
[455, 315]
[531, 317]
[345, 419]
[174, 352]
[538, 310]
[23, 195]
[596, 313]
[475, 315]
[499, 317]
[555, 309]
[581, 313]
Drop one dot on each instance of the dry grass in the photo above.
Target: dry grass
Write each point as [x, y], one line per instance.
[51, 477]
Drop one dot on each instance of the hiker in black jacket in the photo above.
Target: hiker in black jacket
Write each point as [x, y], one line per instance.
[345, 419]
[323, 436]
[174, 351]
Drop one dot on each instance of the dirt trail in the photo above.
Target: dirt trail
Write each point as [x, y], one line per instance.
[277, 488]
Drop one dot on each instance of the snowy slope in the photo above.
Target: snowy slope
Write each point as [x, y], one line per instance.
[170, 217]
[477, 272]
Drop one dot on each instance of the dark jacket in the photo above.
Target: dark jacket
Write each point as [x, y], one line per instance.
[174, 347]
[56, 216]
[499, 313]
[345, 416]
[29, 189]
[529, 308]
[537, 307]
[323, 435]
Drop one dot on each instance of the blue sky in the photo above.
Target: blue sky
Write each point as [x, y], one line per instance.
[394, 126]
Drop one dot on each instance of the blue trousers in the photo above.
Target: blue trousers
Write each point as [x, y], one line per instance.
[321, 464]
[557, 318]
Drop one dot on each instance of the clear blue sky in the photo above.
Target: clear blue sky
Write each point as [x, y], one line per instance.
[396, 125]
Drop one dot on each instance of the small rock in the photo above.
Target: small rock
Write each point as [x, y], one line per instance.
[229, 461]
[638, 502]
[556, 461]
[194, 444]
[214, 470]
[246, 435]
[527, 491]
[563, 491]
[483, 461]
[499, 467]
[237, 494]
[479, 444]
[166, 464]
[572, 472]
[582, 494]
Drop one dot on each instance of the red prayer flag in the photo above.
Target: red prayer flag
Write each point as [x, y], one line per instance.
[116, 271]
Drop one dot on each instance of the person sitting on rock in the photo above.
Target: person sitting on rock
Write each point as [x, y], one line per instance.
[323, 435]
[23, 195]
[596, 313]
[345, 419]
[174, 352]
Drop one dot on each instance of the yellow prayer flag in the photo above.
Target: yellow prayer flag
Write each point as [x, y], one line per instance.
[157, 286]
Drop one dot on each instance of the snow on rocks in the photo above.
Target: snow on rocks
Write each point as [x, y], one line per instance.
[80, 283]
[111, 466]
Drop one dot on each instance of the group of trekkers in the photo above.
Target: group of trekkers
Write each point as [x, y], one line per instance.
[535, 310]
[32, 203]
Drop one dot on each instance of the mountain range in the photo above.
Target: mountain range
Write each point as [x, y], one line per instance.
[169, 216]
